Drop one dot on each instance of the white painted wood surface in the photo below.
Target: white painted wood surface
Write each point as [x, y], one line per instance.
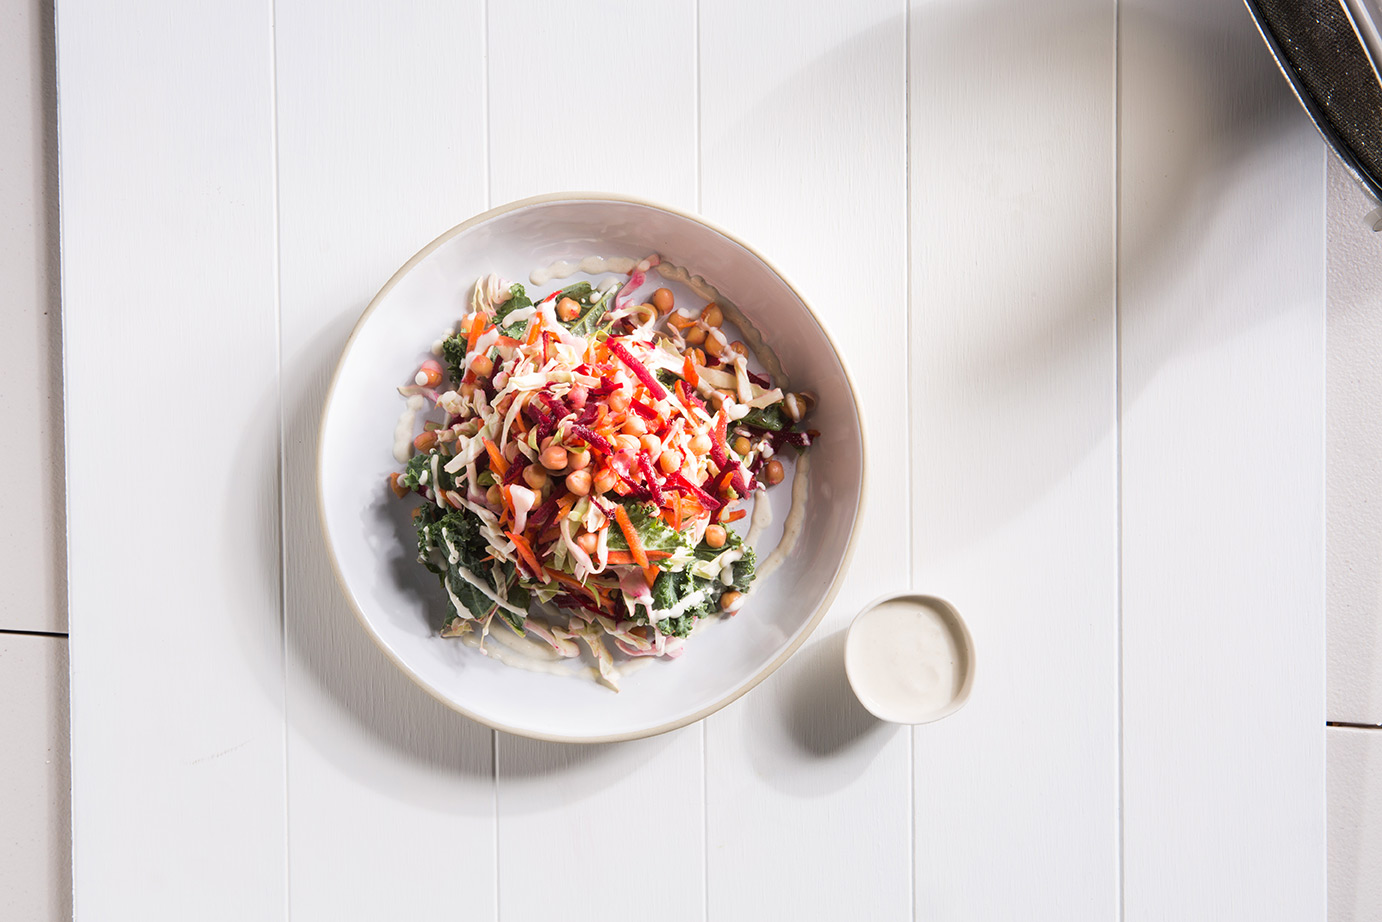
[803, 150]
[35, 859]
[32, 532]
[1354, 506]
[1014, 435]
[944, 180]
[1221, 314]
[380, 147]
[1355, 824]
[172, 414]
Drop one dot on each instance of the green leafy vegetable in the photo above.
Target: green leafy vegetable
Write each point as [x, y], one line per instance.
[442, 532]
[671, 588]
[769, 417]
[453, 351]
[588, 322]
[655, 534]
[518, 299]
[416, 465]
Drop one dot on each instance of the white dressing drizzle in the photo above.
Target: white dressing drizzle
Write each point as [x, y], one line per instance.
[591, 265]
[403, 432]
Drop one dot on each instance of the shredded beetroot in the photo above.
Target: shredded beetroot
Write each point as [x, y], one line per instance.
[688, 396]
[546, 425]
[650, 477]
[588, 414]
[679, 479]
[761, 381]
[643, 410]
[539, 518]
[638, 368]
[592, 438]
[719, 452]
[555, 404]
[604, 389]
[515, 470]
[736, 480]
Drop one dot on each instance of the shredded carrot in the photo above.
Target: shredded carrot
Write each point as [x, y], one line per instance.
[564, 506]
[688, 371]
[496, 459]
[675, 510]
[534, 328]
[477, 326]
[525, 550]
[567, 580]
[650, 574]
[621, 515]
[734, 516]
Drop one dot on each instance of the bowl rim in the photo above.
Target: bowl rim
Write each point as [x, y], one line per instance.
[816, 617]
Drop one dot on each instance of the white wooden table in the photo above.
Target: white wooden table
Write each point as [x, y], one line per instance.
[1074, 253]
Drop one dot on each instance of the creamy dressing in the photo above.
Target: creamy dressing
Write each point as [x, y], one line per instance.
[796, 516]
[591, 265]
[403, 432]
[905, 661]
[524, 654]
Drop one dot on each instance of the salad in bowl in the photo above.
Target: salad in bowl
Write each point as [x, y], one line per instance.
[591, 468]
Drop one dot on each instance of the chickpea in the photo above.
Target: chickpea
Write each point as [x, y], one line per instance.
[742, 445]
[588, 542]
[567, 310]
[729, 600]
[678, 320]
[482, 366]
[467, 390]
[715, 535]
[652, 445]
[604, 480]
[669, 461]
[794, 407]
[494, 496]
[553, 458]
[715, 344]
[700, 444]
[578, 482]
[664, 300]
[425, 440]
[695, 336]
[577, 458]
[578, 395]
[634, 425]
[712, 315]
[627, 442]
[739, 348]
[773, 473]
[619, 400]
[534, 476]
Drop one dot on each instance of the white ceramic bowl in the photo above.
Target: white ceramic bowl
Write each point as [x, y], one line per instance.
[370, 539]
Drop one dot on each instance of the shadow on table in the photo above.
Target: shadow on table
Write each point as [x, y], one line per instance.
[1194, 133]
[803, 729]
[340, 686]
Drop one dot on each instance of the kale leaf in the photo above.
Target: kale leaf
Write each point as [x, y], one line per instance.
[655, 534]
[453, 351]
[769, 417]
[588, 322]
[671, 588]
[411, 476]
[462, 527]
[518, 299]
